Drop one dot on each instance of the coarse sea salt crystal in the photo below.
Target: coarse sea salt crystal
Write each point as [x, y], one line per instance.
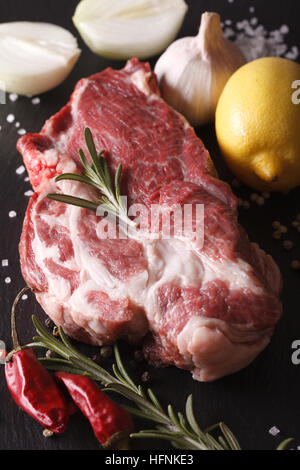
[0, 128]
[228, 32]
[36, 100]
[274, 431]
[10, 118]
[293, 54]
[20, 170]
[26, 179]
[24, 296]
[7, 280]
[17, 124]
[284, 29]
[12, 214]
[4, 262]
[21, 131]
[256, 42]
[13, 97]
[252, 9]
[28, 193]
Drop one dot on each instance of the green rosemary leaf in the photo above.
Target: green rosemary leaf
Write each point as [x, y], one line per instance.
[97, 166]
[106, 174]
[60, 365]
[154, 400]
[83, 159]
[118, 375]
[155, 433]
[212, 443]
[173, 416]
[184, 426]
[97, 175]
[230, 438]
[141, 391]
[41, 329]
[136, 412]
[122, 369]
[118, 176]
[285, 444]
[74, 201]
[181, 445]
[75, 177]
[191, 417]
[223, 443]
[64, 338]
[171, 427]
[90, 144]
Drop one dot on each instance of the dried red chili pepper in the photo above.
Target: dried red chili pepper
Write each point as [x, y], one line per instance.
[31, 385]
[111, 423]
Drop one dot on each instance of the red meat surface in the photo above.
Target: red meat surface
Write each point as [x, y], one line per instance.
[209, 308]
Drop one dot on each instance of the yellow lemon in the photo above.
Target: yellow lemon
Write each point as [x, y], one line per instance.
[258, 124]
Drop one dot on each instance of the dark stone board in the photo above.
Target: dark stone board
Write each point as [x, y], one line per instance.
[264, 394]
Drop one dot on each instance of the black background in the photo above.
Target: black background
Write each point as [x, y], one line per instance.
[251, 401]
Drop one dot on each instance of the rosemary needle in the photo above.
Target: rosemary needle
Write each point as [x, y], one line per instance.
[180, 429]
[96, 175]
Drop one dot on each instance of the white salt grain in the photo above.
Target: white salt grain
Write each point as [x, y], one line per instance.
[0, 128]
[228, 32]
[293, 54]
[28, 193]
[20, 170]
[36, 100]
[7, 280]
[4, 262]
[12, 214]
[17, 124]
[26, 179]
[274, 431]
[252, 9]
[13, 97]
[10, 118]
[256, 42]
[21, 131]
[24, 297]
[284, 29]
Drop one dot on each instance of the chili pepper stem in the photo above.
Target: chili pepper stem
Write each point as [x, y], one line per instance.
[14, 334]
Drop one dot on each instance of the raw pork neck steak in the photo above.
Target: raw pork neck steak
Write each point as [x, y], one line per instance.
[207, 309]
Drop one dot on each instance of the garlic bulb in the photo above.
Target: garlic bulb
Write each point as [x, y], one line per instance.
[193, 71]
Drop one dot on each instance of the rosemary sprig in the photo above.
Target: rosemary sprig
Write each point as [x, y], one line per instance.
[96, 175]
[182, 430]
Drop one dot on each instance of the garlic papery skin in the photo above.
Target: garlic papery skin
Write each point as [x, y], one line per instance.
[35, 57]
[193, 71]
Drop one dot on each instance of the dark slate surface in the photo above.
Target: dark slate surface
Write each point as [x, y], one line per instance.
[250, 402]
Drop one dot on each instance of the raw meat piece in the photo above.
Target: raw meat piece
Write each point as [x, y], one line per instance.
[207, 309]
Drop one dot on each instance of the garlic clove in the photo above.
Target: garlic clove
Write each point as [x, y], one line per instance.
[193, 71]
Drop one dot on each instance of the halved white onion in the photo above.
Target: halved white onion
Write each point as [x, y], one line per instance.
[121, 29]
[35, 57]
